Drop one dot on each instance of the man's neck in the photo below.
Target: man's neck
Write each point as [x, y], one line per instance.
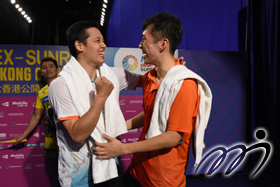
[89, 68]
[163, 67]
[50, 80]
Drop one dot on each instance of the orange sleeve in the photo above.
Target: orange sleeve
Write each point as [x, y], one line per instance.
[67, 118]
[184, 107]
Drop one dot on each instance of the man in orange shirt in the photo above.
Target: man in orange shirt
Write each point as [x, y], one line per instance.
[161, 154]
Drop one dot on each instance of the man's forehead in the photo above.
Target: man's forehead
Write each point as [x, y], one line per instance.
[148, 29]
[94, 32]
[45, 63]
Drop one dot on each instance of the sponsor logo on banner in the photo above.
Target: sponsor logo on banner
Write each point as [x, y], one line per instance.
[39, 155]
[18, 166]
[0, 167]
[130, 59]
[136, 101]
[34, 103]
[1, 114]
[20, 124]
[123, 140]
[129, 63]
[124, 159]
[3, 125]
[28, 166]
[36, 134]
[42, 144]
[1, 146]
[39, 165]
[122, 102]
[17, 156]
[5, 156]
[15, 114]
[133, 60]
[20, 103]
[15, 135]
[133, 130]
[129, 111]
[7, 166]
[133, 139]
[3, 135]
[145, 67]
[32, 145]
[5, 104]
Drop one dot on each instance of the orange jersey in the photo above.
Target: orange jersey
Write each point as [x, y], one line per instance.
[166, 167]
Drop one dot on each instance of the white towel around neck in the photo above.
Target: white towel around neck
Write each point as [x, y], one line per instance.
[165, 96]
[82, 94]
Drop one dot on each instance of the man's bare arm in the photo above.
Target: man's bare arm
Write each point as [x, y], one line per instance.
[115, 148]
[38, 113]
[135, 122]
[80, 129]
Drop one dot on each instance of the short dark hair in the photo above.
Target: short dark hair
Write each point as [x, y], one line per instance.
[49, 59]
[165, 26]
[77, 31]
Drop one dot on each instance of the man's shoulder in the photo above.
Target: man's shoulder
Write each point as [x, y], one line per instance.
[57, 81]
[43, 90]
[57, 85]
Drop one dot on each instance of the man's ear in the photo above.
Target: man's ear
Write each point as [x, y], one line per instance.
[164, 43]
[78, 45]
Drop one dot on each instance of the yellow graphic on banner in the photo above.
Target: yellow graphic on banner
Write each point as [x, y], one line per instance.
[6, 88]
[33, 57]
[16, 88]
[35, 88]
[8, 55]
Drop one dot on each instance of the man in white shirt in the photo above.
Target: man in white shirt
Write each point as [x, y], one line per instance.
[75, 128]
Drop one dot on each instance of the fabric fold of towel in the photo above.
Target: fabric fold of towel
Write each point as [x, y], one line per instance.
[166, 94]
[111, 120]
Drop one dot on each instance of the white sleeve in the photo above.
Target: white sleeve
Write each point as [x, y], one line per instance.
[127, 80]
[60, 99]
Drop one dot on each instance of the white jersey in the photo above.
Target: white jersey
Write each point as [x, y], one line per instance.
[74, 164]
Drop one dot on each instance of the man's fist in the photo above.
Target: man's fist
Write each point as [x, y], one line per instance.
[103, 86]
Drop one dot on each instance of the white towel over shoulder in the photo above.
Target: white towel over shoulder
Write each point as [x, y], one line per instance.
[83, 94]
[166, 94]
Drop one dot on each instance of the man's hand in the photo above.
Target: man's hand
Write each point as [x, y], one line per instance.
[19, 139]
[103, 86]
[108, 150]
[181, 60]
